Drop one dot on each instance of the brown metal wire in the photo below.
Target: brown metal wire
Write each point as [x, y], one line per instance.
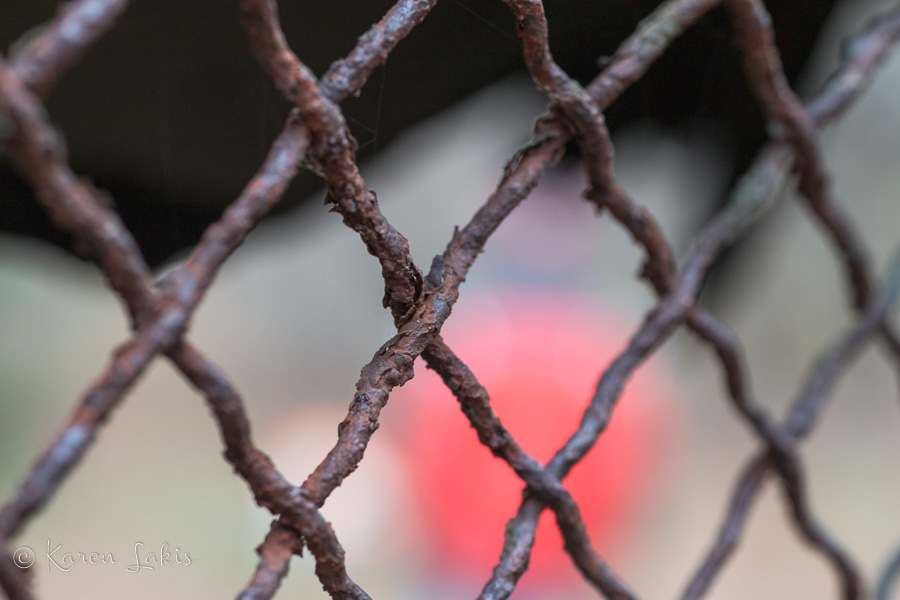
[316, 136]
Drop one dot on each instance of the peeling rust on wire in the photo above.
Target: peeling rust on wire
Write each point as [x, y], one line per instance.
[316, 136]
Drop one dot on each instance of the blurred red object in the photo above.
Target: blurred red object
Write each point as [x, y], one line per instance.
[540, 357]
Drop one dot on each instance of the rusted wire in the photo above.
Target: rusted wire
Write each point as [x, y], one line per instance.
[14, 581]
[275, 554]
[60, 43]
[315, 136]
[887, 582]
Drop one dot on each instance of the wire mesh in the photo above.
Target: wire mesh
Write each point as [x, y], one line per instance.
[316, 137]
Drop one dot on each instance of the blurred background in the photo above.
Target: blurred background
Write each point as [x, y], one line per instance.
[296, 313]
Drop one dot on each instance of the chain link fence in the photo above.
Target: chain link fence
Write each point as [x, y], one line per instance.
[316, 137]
